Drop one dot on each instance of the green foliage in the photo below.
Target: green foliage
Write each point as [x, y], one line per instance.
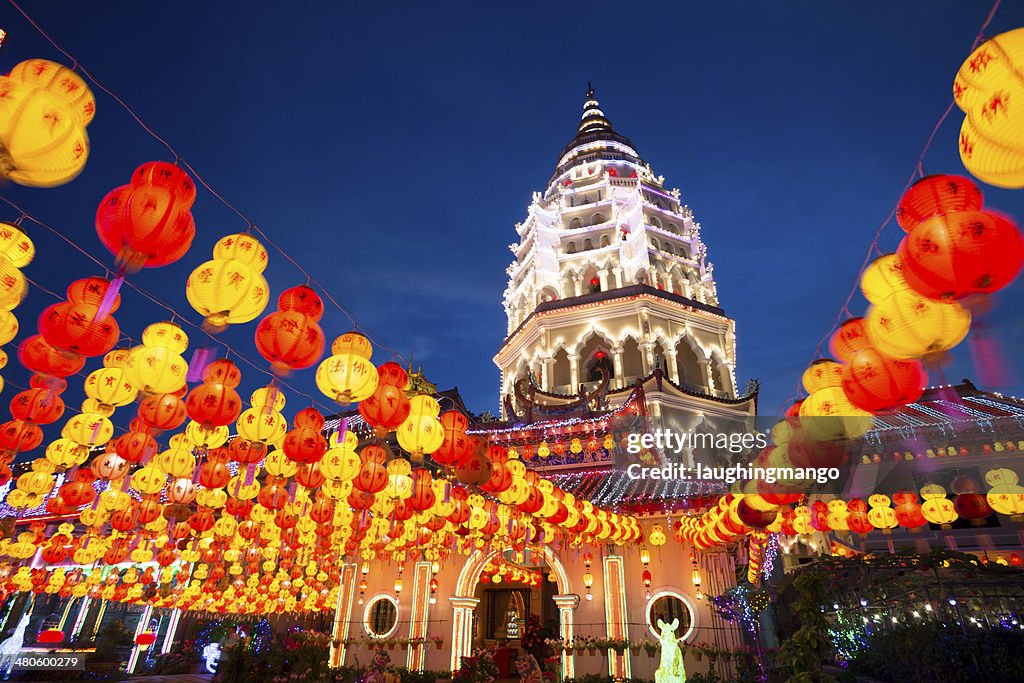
[181, 662]
[809, 647]
[112, 642]
[600, 678]
[932, 651]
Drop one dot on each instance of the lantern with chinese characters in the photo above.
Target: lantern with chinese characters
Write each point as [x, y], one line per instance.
[215, 402]
[963, 253]
[822, 374]
[231, 288]
[347, 375]
[305, 444]
[421, 433]
[388, 406]
[44, 110]
[875, 382]
[988, 89]
[157, 366]
[907, 325]
[456, 444]
[148, 222]
[290, 338]
[937, 195]
[883, 278]
[936, 508]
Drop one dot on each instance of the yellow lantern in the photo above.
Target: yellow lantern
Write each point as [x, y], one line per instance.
[230, 289]
[1006, 496]
[88, 429]
[907, 325]
[348, 376]
[177, 462]
[66, 453]
[148, 479]
[988, 89]
[822, 374]
[340, 464]
[110, 387]
[421, 433]
[834, 416]
[8, 326]
[60, 81]
[157, 365]
[43, 142]
[13, 285]
[883, 278]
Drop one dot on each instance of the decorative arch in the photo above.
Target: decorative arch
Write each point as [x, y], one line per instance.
[655, 221]
[576, 223]
[561, 370]
[720, 372]
[632, 358]
[605, 241]
[597, 218]
[688, 362]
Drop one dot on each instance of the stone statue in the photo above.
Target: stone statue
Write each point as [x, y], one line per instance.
[671, 669]
[10, 648]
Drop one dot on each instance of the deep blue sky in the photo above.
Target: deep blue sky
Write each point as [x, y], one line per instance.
[392, 149]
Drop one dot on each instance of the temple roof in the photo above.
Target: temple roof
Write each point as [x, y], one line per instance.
[594, 126]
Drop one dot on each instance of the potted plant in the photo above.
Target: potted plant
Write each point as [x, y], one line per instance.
[438, 642]
[618, 645]
[634, 648]
[650, 648]
[390, 644]
[603, 645]
[698, 651]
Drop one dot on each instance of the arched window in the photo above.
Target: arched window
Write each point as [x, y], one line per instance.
[655, 221]
[575, 223]
[688, 365]
[570, 248]
[667, 247]
[605, 241]
[654, 243]
[561, 375]
[632, 361]
[597, 219]
[587, 245]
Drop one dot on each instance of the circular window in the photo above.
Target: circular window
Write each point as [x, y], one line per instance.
[381, 617]
[666, 606]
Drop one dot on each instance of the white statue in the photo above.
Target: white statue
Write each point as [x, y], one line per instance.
[10, 648]
[671, 669]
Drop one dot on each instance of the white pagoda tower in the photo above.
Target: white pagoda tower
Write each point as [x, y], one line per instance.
[611, 285]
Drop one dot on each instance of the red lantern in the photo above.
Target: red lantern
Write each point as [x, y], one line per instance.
[37, 405]
[51, 636]
[457, 445]
[148, 223]
[305, 443]
[972, 506]
[851, 337]
[875, 382]
[857, 520]
[73, 327]
[754, 518]
[386, 408]
[963, 253]
[290, 338]
[37, 354]
[936, 195]
[135, 446]
[213, 404]
[19, 436]
[163, 411]
[92, 291]
[423, 496]
[247, 452]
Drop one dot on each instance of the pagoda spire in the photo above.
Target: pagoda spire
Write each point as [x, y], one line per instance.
[593, 119]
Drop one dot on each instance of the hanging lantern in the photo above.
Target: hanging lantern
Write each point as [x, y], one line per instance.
[157, 366]
[215, 402]
[44, 110]
[231, 288]
[421, 433]
[148, 223]
[907, 325]
[937, 195]
[822, 374]
[883, 278]
[305, 444]
[962, 253]
[348, 376]
[388, 406]
[290, 338]
[875, 382]
[988, 89]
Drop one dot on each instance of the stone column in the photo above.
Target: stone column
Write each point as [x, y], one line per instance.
[647, 356]
[567, 605]
[549, 370]
[574, 372]
[603, 277]
[619, 380]
[705, 373]
[673, 365]
[617, 271]
[462, 628]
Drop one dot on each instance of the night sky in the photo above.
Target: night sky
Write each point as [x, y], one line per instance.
[391, 148]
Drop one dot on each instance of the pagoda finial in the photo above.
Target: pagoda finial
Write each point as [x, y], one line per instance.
[593, 118]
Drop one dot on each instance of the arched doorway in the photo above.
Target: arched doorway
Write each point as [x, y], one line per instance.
[464, 603]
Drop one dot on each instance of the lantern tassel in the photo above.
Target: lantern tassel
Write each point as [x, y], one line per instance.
[202, 357]
[109, 298]
[250, 475]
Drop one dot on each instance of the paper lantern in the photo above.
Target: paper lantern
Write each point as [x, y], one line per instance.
[822, 373]
[290, 338]
[988, 89]
[875, 382]
[883, 278]
[43, 139]
[962, 253]
[851, 337]
[157, 366]
[214, 403]
[110, 387]
[348, 376]
[163, 411]
[907, 325]
[305, 444]
[937, 195]
[74, 327]
[421, 433]
[230, 289]
[148, 223]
